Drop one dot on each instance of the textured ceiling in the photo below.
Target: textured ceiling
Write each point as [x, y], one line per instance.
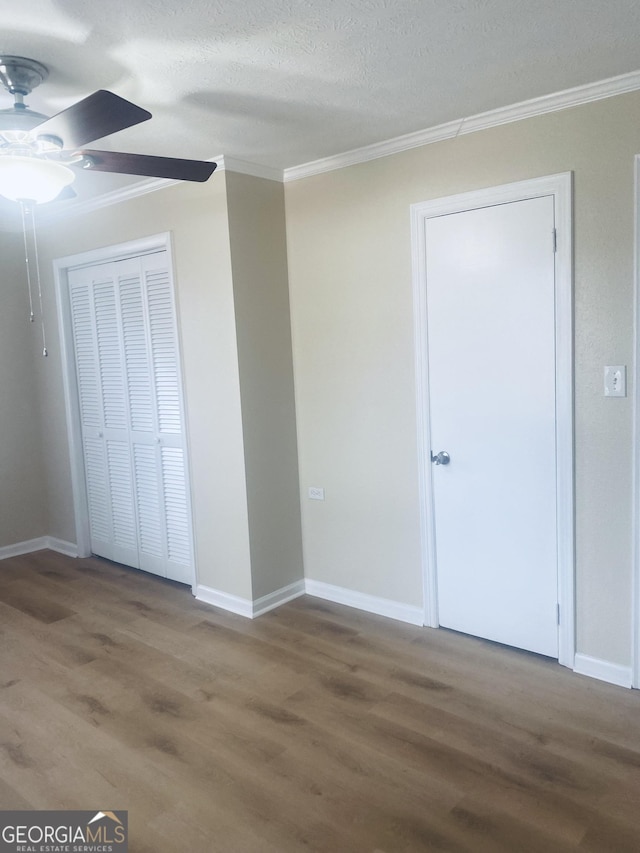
[284, 82]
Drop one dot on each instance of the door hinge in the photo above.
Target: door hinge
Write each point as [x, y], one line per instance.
[558, 613]
[554, 234]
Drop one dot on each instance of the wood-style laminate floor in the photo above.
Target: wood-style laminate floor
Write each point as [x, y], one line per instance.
[312, 728]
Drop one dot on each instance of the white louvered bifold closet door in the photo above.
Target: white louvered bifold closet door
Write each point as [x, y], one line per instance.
[125, 342]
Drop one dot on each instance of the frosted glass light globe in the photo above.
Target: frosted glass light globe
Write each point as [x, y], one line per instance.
[32, 179]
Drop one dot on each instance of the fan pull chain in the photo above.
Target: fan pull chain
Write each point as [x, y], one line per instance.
[35, 251]
[23, 208]
[27, 210]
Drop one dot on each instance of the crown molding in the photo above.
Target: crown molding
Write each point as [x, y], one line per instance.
[482, 121]
[374, 152]
[575, 97]
[244, 167]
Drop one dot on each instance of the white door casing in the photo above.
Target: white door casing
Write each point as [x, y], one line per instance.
[635, 525]
[557, 189]
[124, 407]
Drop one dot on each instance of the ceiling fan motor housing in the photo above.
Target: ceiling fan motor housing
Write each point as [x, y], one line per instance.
[20, 75]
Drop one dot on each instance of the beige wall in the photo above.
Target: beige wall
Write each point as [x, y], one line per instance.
[263, 329]
[22, 496]
[196, 216]
[350, 287]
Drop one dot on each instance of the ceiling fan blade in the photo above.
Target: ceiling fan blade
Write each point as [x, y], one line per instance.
[92, 118]
[152, 167]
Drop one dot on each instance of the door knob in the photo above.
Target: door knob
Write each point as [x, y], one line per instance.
[441, 458]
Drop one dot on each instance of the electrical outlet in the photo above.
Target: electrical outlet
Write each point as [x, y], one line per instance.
[615, 381]
[316, 493]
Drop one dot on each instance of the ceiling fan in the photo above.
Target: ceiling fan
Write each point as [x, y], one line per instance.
[38, 154]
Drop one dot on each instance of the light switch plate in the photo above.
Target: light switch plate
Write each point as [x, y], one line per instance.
[615, 380]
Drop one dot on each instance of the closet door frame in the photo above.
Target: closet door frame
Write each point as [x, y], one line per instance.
[61, 267]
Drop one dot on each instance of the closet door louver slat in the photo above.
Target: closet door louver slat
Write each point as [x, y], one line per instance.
[86, 362]
[109, 355]
[121, 487]
[176, 506]
[148, 500]
[98, 495]
[138, 370]
[163, 351]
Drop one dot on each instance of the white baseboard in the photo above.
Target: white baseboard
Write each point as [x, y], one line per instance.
[246, 607]
[23, 548]
[369, 603]
[339, 595]
[604, 670]
[69, 549]
[280, 596]
[232, 603]
[40, 544]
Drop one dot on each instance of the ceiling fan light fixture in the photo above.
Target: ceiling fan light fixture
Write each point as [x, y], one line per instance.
[32, 179]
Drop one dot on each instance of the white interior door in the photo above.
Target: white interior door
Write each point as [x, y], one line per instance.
[491, 359]
[129, 395]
